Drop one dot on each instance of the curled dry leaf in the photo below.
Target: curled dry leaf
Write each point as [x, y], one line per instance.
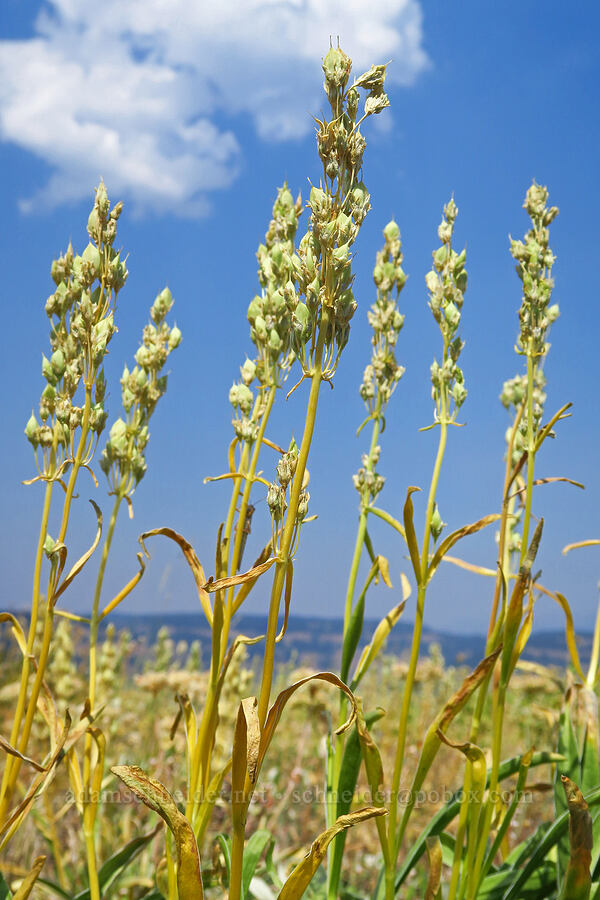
[434, 856]
[192, 561]
[82, 559]
[302, 875]
[577, 883]
[155, 796]
[456, 536]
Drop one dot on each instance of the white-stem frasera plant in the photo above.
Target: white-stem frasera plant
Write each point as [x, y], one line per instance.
[300, 324]
[81, 312]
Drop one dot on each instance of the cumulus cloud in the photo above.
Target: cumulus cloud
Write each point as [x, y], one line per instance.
[139, 91]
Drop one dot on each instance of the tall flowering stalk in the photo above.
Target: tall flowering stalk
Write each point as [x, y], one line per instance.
[321, 324]
[251, 398]
[81, 312]
[124, 464]
[380, 379]
[446, 283]
[510, 624]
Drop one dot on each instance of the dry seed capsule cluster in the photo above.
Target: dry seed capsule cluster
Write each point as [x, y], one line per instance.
[81, 312]
[383, 372]
[513, 396]
[447, 283]
[277, 491]
[338, 208]
[123, 460]
[534, 266]
[270, 315]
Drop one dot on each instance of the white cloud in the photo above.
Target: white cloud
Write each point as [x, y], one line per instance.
[137, 91]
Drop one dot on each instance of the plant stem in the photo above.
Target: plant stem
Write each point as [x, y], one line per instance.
[88, 800]
[394, 845]
[530, 455]
[290, 523]
[5, 792]
[47, 636]
[336, 754]
[237, 851]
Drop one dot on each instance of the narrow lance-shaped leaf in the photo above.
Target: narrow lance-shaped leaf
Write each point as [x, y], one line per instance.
[353, 633]
[440, 821]
[28, 883]
[279, 704]
[433, 741]
[65, 742]
[232, 580]
[374, 770]
[410, 534]
[155, 795]
[125, 591]
[351, 762]
[543, 845]
[380, 635]
[246, 746]
[256, 846]
[514, 613]
[456, 536]
[117, 864]
[202, 817]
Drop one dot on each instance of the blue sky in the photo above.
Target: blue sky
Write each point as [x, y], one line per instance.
[194, 119]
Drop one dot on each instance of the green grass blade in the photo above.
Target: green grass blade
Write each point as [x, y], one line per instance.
[255, 847]
[351, 761]
[448, 812]
[116, 865]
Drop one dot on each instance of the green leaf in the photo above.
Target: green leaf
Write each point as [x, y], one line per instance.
[224, 842]
[114, 867]
[5, 893]
[547, 842]
[410, 534]
[450, 810]
[255, 847]
[28, 883]
[456, 536]
[351, 761]
[352, 636]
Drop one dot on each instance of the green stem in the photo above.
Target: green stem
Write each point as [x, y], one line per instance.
[530, 456]
[239, 535]
[92, 675]
[48, 624]
[362, 522]
[287, 536]
[290, 523]
[394, 845]
[5, 791]
[334, 763]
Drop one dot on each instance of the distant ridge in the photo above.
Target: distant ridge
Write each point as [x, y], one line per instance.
[317, 642]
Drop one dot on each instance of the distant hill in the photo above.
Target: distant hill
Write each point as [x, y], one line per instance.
[317, 642]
